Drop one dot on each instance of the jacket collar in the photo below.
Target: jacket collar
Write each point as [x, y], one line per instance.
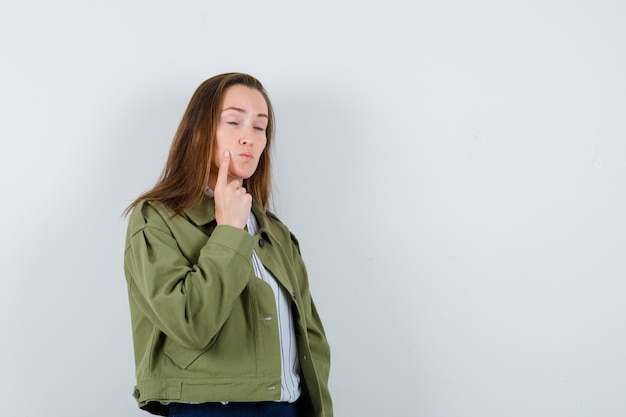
[204, 213]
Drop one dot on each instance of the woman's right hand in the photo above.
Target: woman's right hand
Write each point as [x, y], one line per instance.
[232, 201]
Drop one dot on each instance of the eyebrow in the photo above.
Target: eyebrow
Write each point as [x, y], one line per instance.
[243, 111]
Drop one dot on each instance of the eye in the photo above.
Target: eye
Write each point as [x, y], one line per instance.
[233, 123]
[259, 128]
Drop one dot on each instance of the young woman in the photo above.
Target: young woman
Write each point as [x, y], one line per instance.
[222, 317]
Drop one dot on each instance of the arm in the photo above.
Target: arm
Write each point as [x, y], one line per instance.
[188, 302]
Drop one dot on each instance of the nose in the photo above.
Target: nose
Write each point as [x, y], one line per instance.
[247, 137]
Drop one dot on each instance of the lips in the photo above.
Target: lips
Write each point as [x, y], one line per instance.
[246, 156]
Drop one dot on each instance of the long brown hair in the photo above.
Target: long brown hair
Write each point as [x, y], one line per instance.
[188, 166]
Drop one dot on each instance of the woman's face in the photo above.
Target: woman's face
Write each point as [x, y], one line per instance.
[241, 130]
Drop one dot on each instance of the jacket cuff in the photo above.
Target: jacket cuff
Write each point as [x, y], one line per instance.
[233, 238]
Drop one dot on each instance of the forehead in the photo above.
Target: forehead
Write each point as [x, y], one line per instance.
[245, 98]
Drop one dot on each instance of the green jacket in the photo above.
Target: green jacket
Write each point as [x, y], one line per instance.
[203, 324]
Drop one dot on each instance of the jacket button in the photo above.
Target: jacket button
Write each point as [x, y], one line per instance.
[136, 393]
[261, 243]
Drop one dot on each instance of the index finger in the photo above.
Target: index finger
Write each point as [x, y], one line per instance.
[222, 173]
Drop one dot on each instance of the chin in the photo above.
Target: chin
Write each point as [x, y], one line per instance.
[245, 175]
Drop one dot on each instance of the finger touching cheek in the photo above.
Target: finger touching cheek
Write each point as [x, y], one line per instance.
[218, 158]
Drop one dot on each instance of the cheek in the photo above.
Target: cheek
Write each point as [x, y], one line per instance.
[218, 150]
[218, 157]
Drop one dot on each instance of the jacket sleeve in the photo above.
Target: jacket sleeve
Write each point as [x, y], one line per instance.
[188, 302]
[318, 344]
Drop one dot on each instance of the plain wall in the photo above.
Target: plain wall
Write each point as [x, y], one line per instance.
[455, 172]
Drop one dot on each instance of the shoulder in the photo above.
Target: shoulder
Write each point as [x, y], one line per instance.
[285, 234]
[148, 213]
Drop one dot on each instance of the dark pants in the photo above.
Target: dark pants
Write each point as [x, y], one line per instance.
[261, 409]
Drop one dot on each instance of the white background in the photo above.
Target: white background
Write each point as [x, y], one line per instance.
[455, 172]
